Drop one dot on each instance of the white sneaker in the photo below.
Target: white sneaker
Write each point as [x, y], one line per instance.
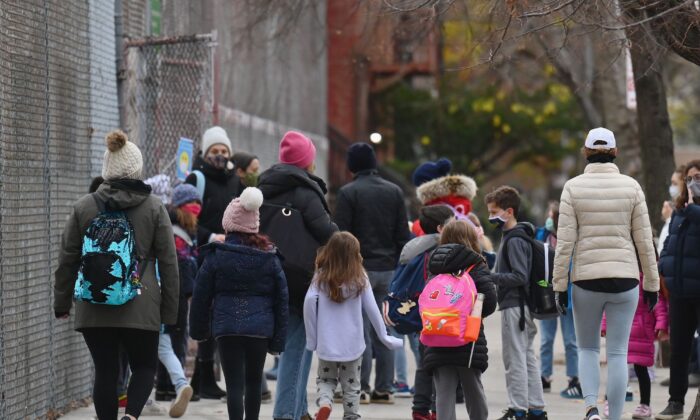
[152, 408]
[179, 404]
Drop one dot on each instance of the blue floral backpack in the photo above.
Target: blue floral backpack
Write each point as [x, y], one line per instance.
[109, 267]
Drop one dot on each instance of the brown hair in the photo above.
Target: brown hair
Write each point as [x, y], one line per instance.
[505, 197]
[186, 220]
[591, 152]
[254, 240]
[683, 198]
[339, 270]
[460, 232]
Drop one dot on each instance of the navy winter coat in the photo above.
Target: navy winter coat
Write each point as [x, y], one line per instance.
[241, 291]
[680, 259]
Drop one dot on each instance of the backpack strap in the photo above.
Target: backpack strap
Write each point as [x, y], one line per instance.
[201, 180]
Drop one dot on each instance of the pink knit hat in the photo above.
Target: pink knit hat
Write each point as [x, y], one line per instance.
[297, 149]
[243, 213]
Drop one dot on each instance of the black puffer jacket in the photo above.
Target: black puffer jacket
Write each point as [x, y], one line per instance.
[436, 357]
[221, 186]
[373, 210]
[287, 185]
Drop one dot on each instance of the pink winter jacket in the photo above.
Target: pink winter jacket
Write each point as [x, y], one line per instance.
[644, 328]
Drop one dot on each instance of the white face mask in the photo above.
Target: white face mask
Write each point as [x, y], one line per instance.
[674, 191]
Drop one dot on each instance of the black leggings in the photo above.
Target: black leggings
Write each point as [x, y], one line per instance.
[243, 361]
[142, 348]
[642, 373]
[684, 319]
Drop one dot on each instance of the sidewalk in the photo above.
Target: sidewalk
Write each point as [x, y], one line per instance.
[494, 383]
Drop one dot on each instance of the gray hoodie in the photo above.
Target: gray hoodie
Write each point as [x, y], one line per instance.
[514, 273]
[417, 246]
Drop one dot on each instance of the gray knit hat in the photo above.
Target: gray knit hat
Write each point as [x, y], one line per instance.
[122, 158]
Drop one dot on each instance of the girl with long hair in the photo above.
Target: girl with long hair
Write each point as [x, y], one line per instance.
[333, 307]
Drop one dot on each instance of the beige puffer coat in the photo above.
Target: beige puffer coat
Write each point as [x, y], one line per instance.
[603, 217]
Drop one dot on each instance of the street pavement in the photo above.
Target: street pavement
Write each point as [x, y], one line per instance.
[494, 384]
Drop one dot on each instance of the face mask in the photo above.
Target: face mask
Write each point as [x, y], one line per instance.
[250, 180]
[674, 191]
[192, 208]
[549, 224]
[218, 161]
[498, 221]
[694, 188]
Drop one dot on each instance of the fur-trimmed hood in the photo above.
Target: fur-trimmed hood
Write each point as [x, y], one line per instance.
[455, 185]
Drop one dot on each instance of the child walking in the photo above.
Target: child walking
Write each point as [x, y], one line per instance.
[241, 293]
[647, 326]
[333, 306]
[465, 364]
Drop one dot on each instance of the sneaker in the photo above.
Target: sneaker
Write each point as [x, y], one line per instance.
[674, 410]
[179, 404]
[420, 416]
[152, 408]
[592, 414]
[629, 396]
[642, 412]
[665, 382]
[573, 391]
[537, 415]
[323, 413]
[546, 385]
[511, 414]
[338, 397]
[402, 390]
[364, 397]
[266, 397]
[381, 398]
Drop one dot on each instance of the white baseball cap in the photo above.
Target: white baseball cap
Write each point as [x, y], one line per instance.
[600, 138]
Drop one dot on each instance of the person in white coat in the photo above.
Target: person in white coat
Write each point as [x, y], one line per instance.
[605, 233]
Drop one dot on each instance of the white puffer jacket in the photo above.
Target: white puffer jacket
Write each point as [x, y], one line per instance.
[603, 217]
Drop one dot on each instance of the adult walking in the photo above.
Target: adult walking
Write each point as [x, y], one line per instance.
[122, 207]
[680, 266]
[604, 231]
[548, 235]
[296, 217]
[373, 210]
[215, 179]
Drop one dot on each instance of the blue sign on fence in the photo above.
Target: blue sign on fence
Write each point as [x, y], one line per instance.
[185, 156]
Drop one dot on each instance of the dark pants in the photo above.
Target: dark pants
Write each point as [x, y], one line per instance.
[179, 341]
[142, 349]
[206, 350]
[384, 368]
[243, 361]
[424, 397]
[684, 314]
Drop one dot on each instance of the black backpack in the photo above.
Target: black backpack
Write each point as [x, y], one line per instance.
[286, 228]
[539, 293]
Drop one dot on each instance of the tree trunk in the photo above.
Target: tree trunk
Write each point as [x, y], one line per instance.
[655, 134]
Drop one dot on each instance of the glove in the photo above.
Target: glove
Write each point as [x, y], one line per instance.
[561, 299]
[651, 298]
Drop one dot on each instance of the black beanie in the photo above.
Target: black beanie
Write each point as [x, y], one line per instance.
[242, 160]
[361, 157]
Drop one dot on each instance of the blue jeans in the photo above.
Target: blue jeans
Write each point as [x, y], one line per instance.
[400, 363]
[619, 310]
[384, 369]
[293, 375]
[167, 357]
[549, 333]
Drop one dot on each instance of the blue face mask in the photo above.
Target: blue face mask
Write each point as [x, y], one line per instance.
[498, 221]
[549, 224]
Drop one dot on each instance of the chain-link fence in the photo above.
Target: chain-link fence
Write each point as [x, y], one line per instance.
[45, 153]
[169, 95]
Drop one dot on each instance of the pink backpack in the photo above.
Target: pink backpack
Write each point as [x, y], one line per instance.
[445, 308]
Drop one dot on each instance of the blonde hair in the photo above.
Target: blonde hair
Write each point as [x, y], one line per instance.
[460, 232]
[339, 270]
